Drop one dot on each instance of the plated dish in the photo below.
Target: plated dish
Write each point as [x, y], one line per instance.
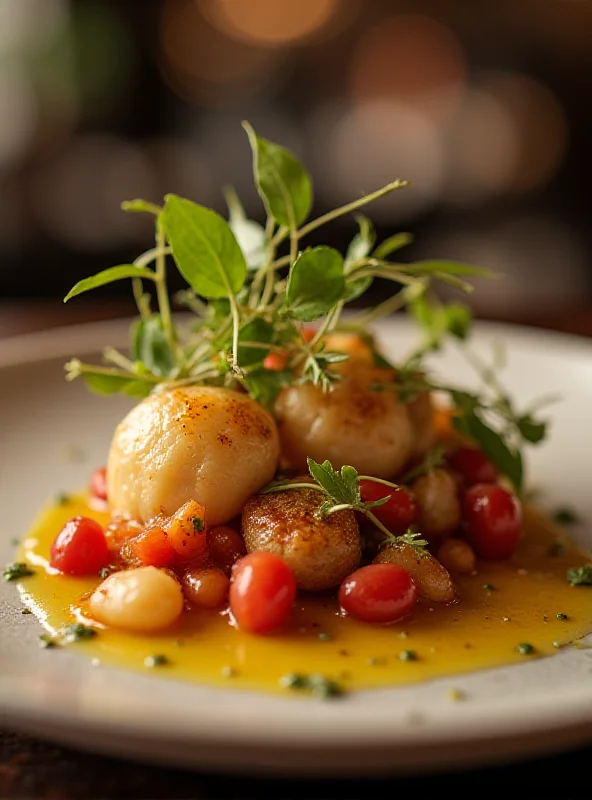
[289, 506]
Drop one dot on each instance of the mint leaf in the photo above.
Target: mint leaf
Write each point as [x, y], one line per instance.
[205, 249]
[340, 490]
[109, 276]
[391, 244]
[282, 181]
[150, 346]
[315, 283]
[249, 234]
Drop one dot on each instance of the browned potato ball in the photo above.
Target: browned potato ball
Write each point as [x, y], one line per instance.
[320, 552]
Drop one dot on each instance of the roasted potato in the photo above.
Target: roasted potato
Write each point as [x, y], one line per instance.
[208, 444]
[320, 552]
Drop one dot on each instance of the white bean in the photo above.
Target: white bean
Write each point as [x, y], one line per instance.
[145, 599]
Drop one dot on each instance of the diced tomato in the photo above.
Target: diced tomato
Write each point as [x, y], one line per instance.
[473, 465]
[275, 362]
[226, 546]
[98, 483]
[398, 513]
[378, 593]
[493, 517]
[187, 531]
[152, 548]
[80, 548]
[262, 591]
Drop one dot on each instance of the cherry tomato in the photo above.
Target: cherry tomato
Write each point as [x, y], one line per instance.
[473, 465]
[205, 587]
[226, 546]
[398, 513]
[98, 483]
[378, 593]
[275, 362]
[262, 591]
[493, 518]
[80, 548]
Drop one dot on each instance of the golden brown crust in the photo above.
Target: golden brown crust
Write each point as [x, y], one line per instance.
[320, 552]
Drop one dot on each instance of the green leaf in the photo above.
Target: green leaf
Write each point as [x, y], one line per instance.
[282, 181]
[342, 488]
[362, 243]
[391, 244]
[315, 283]
[114, 384]
[265, 385]
[257, 331]
[205, 249]
[531, 430]
[580, 576]
[356, 288]
[108, 276]
[141, 206]
[349, 477]
[447, 267]
[249, 234]
[493, 445]
[150, 346]
[458, 320]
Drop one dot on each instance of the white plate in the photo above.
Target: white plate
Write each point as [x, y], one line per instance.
[53, 433]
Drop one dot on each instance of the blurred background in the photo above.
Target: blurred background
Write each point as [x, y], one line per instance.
[485, 107]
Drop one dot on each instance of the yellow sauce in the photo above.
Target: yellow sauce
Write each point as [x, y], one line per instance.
[482, 630]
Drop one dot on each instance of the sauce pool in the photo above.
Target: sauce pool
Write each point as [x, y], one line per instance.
[483, 630]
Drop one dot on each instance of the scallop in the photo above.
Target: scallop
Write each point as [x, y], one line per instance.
[351, 423]
[321, 552]
[208, 444]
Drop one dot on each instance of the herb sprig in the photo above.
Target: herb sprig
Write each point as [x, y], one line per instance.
[253, 288]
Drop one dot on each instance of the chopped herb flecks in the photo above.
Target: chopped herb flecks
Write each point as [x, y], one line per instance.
[26, 611]
[198, 524]
[561, 615]
[325, 637]
[489, 587]
[77, 632]
[317, 685]
[16, 570]
[62, 498]
[580, 576]
[408, 655]
[104, 572]
[525, 649]
[46, 641]
[156, 661]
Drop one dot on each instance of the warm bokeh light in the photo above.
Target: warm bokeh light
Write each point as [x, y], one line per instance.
[179, 167]
[203, 65]
[367, 145]
[540, 125]
[18, 113]
[411, 59]
[77, 195]
[27, 22]
[270, 23]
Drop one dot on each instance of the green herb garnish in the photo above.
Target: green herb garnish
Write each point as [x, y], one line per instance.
[104, 572]
[561, 615]
[77, 632]
[253, 287]
[565, 516]
[525, 649]
[317, 685]
[62, 498]
[198, 524]
[408, 655]
[156, 660]
[325, 637]
[16, 570]
[26, 611]
[46, 641]
[489, 587]
[580, 576]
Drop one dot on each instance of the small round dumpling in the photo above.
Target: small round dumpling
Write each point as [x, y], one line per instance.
[352, 423]
[208, 444]
[320, 552]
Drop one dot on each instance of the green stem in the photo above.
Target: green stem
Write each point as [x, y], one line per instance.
[375, 520]
[161, 287]
[389, 306]
[395, 486]
[284, 486]
[346, 209]
[75, 368]
[235, 328]
[269, 267]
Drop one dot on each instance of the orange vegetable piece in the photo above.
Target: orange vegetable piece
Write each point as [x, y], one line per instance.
[187, 531]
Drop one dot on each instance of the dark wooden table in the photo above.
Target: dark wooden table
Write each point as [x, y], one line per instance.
[30, 768]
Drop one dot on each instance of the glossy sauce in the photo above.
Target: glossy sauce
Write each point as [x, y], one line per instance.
[482, 630]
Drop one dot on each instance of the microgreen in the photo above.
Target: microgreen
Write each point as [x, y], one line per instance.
[340, 491]
[580, 576]
[252, 287]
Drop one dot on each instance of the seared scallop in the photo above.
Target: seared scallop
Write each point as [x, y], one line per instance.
[321, 552]
[208, 444]
[354, 422]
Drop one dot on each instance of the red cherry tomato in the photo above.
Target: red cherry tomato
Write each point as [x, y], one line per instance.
[98, 483]
[398, 513]
[80, 548]
[473, 465]
[493, 518]
[226, 546]
[275, 362]
[262, 591]
[378, 593]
